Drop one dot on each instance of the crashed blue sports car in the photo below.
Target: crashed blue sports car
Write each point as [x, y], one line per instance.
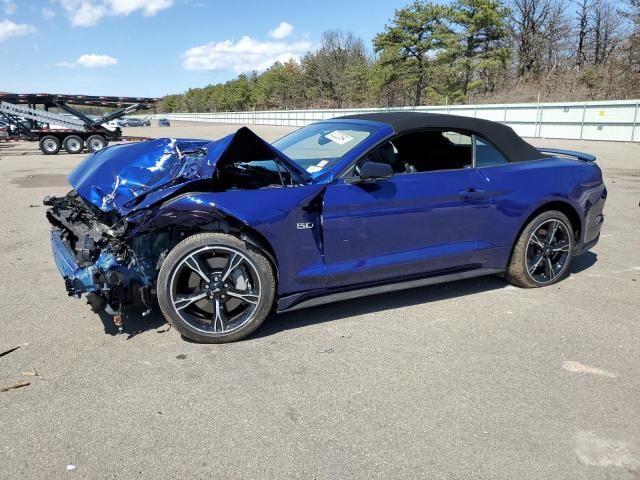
[222, 233]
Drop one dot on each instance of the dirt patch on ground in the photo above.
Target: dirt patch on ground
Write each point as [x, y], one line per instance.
[40, 180]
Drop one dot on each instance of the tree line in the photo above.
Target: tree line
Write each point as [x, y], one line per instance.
[469, 51]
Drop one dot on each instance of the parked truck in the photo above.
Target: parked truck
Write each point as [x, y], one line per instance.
[71, 130]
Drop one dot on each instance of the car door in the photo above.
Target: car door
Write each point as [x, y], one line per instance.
[408, 225]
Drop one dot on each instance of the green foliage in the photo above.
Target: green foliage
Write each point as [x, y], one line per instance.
[476, 51]
[435, 54]
[412, 41]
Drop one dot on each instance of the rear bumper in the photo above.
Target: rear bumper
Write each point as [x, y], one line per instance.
[587, 246]
[593, 218]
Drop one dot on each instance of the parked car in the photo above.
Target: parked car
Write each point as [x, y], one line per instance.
[164, 122]
[12, 128]
[113, 125]
[225, 232]
[137, 122]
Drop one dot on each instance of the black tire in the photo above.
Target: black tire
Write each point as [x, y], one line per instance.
[236, 298]
[73, 144]
[537, 260]
[96, 143]
[50, 145]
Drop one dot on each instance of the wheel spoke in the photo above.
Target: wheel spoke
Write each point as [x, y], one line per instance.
[192, 262]
[536, 263]
[219, 319]
[536, 240]
[551, 232]
[184, 301]
[246, 297]
[234, 262]
[548, 269]
[560, 247]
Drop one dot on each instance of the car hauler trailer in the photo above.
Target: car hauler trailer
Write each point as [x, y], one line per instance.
[74, 131]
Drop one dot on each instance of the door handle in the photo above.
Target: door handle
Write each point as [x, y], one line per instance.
[471, 193]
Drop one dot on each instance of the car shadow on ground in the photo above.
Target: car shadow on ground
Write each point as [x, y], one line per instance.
[377, 303]
[402, 298]
[135, 323]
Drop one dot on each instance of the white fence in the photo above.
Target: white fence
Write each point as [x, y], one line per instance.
[615, 120]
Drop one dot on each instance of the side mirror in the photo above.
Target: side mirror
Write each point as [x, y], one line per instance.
[375, 171]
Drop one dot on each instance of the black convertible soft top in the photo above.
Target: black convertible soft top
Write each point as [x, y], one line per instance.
[501, 136]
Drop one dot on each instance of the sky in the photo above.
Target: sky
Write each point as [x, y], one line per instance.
[156, 47]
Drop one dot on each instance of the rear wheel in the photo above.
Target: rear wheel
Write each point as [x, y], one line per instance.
[49, 145]
[214, 288]
[96, 143]
[73, 144]
[542, 254]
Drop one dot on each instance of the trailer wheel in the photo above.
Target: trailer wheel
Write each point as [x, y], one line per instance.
[73, 144]
[96, 142]
[49, 145]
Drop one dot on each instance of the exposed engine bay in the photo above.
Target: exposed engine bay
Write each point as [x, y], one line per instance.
[252, 175]
[113, 270]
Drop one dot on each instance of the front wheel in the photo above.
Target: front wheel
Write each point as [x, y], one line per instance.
[214, 288]
[542, 254]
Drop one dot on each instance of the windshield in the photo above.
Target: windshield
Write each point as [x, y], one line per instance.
[320, 146]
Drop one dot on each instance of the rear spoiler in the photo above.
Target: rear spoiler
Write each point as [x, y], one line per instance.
[585, 157]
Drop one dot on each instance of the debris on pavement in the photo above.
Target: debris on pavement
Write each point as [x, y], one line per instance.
[2, 354]
[31, 373]
[15, 386]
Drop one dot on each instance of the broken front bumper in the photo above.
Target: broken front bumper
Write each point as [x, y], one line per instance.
[77, 279]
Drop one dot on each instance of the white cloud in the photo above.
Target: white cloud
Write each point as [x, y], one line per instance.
[245, 55]
[47, 13]
[83, 13]
[10, 29]
[90, 60]
[281, 31]
[86, 13]
[8, 6]
[148, 7]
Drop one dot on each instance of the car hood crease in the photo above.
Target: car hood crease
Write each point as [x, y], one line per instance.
[119, 178]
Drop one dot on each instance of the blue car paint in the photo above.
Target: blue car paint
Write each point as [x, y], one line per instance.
[409, 225]
[82, 279]
[112, 177]
[115, 178]
[371, 229]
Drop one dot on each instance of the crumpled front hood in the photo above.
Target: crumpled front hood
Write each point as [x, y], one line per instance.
[115, 179]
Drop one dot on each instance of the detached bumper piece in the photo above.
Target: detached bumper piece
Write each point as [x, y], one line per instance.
[76, 280]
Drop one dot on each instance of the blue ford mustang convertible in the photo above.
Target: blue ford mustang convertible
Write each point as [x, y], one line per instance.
[222, 233]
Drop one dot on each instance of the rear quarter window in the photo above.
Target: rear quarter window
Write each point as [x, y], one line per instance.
[487, 155]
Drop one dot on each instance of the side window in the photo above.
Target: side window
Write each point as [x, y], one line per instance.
[487, 155]
[432, 150]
